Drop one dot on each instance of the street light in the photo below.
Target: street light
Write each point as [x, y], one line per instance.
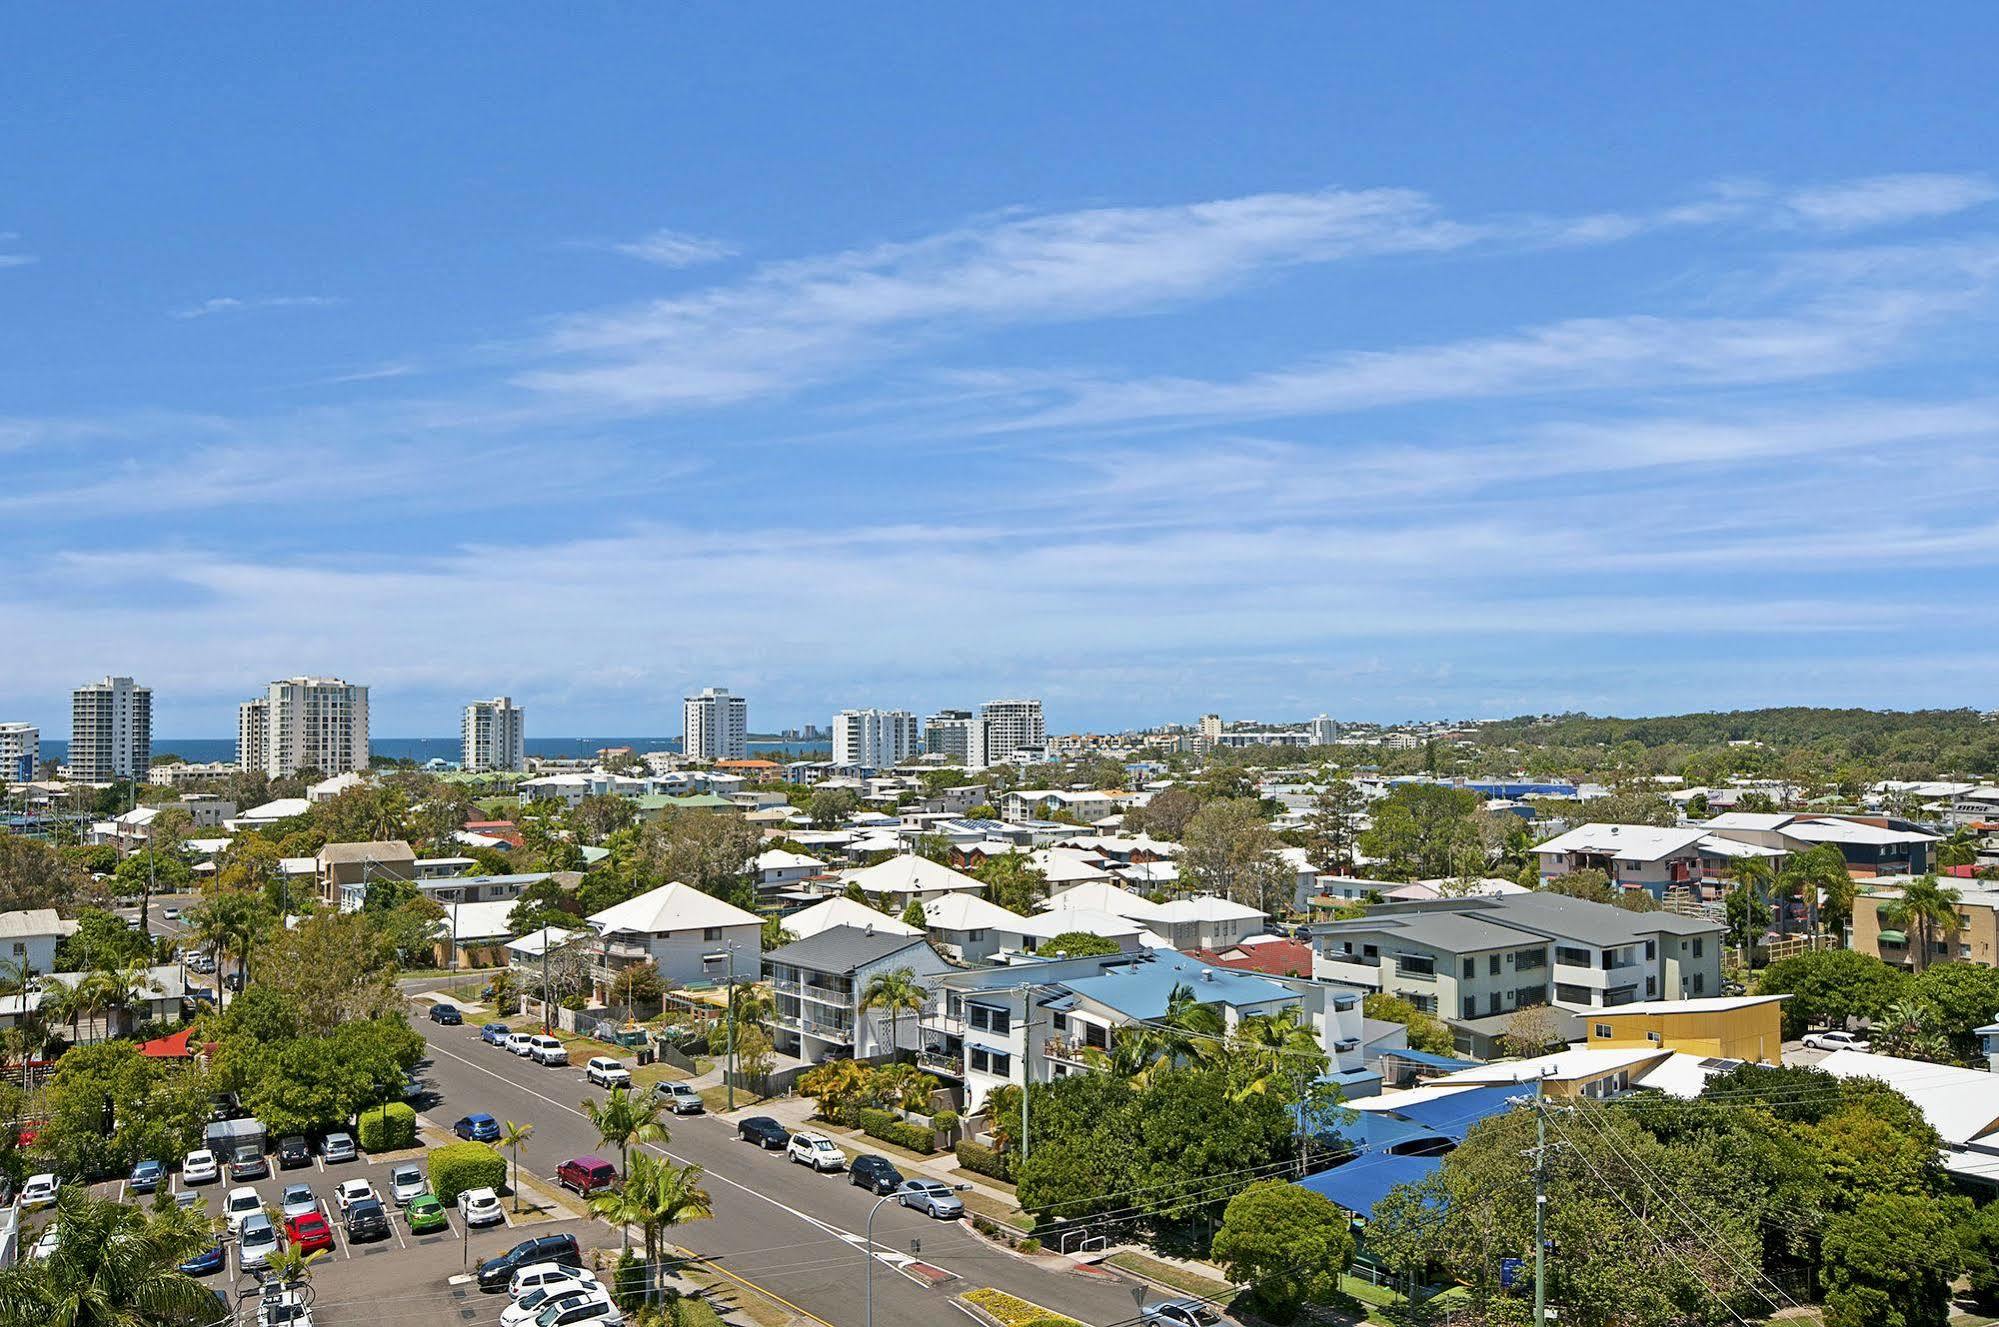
[727, 955]
[879, 1203]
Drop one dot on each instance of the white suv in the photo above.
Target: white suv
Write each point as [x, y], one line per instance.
[817, 1151]
[605, 1071]
[543, 1049]
[1834, 1041]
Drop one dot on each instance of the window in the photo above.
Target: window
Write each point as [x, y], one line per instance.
[1651, 949]
[981, 1061]
[1700, 981]
[1470, 1006]
[1602, 1031]
[1001, 1064]
[1492, 965]
[1572, 994]
[978, 1016]
[20, 948]
[1425, 1002]
[1369, 951]
[1572, 956]
[711, 933]
[1492, 1003]
[1699, 945]
[1346, 946]
[974, 937]
[1415, 965]
[1471, 967]
[1058, 1022]
[1529, 960]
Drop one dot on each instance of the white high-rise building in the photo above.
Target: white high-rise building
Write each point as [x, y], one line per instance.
[1324, 731]
[304, 723]
[1011, 725]
[110, 731]
[495, 736]
[874, 739]
[20, 752]
[716, 724]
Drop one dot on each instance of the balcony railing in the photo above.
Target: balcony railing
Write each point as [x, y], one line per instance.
[1070, 1050]
[936, 1063]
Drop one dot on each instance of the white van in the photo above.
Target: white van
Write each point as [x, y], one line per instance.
[544, 1049]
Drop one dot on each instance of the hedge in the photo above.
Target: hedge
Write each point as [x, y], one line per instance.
[456, 1167]
[386, 1128]
[983, 1160]
[880, 1124]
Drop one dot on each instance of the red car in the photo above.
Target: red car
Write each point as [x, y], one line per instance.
[308, 1231]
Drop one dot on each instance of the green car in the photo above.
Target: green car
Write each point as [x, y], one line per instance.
[426, 1214]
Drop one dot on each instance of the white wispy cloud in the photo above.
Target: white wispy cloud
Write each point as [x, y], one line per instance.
[674, 248]
[10, 257]
[1884, 200]
[232, 304]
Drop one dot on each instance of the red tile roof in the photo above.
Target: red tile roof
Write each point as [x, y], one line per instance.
[1276, 958]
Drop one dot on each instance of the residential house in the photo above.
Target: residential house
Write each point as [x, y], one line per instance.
[344, 870]
[818, 985]
[777, 869]
[839, 910]
[972, 929]
[899, 880]
[1102, 897]
[1872, 845]
[1975, 938]
[1207, 922]
[1749, 1028]
[1086, 806]
[28, 939]
[678, 930]
[1128, 933]
[1631, 856]
[268, 814]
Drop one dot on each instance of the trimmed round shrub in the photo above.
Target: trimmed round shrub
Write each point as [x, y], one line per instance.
[456, 1167]
[386, 1128]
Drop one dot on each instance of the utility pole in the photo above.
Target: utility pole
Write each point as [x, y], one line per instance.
[1540, 1203]
[727, 955]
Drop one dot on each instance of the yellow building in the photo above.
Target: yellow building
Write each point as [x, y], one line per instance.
[1727, 1027]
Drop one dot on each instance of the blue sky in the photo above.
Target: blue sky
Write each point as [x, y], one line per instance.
[1153, 360]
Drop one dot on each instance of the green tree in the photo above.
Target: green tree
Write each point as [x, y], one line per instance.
[1231, 851]
[1830, 987]
[1959, 997]
[601, 815]
[1077, 944]
[913, 915]
[1426, 831]
[1890, 1263]
[513, 1137]
[101, 939]
[830, 807]
[624, 1120]
[1425, 1032]
[657, 1195]
[1288, 1244]
[1165, 815]
[35, 875]
[898, 992]
[1012, 881]
[1588, 883]
[1332, 829]
[1084, 1155]
[113, 1265]
[1926, 908]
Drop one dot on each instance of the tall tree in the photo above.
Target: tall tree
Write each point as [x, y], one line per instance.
[1926, 908]
[899, 992]
[1333, 827]
[113, 1265]
[657, 1195]
[1232, 851]
[514, 1136]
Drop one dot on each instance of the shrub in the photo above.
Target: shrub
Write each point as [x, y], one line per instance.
[628, 1282]
[456, 1167]
[1029, 1245]
[944, 1121]
[880, 1124]
[386, 1128]
[983, 1160]
[1014, 1311]
[984, 1225]
[695, 1313]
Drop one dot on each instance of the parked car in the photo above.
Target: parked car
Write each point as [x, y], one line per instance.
[297, 1200]
[817, 1151]
[933, 1197]
[546, 1050]
[199, 1167]
[593, 1307]
[446, 1015]
[367, 1219]
[146, 1176]
[495, 1273]
[542, 1275]
[480, 1128]
[337, 1147]
[39, 1191]
[1180, 1313]
[494, 1034]
[349, 1192]
[605, 1071]
[170, 914]
[234, 981]
[427, 1214]
[405, 1183]
[249, 1166]
[293, 1152]
[531, 1303]
[586, 1175]
[224, 1106]
[679, 1098]
[256, 1241]
[764, 1132]
[1835, 1041]
[308, 1231]
[876, 1174]
[240, 1204]
[211, 1259]
[520, 1043]
[480, 1207]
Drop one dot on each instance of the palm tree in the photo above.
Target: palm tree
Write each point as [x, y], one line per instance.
[657, 1196]
[1753, 875]
[514, 1137]
[113, 1266]
[1926, 908]
[122, 989]
[898, 992]
[506, 992]
[291, 1268]
[1280, 1050]
[754, 1006]
[622, 1120]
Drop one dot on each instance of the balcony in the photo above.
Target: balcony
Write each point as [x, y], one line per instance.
[936, 1062]
[1069, 1050]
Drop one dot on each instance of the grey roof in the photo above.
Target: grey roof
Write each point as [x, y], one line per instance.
[1596, 924]
[841, 949]
[1453, 930]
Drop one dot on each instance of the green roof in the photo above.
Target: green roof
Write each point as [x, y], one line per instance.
[1894, 938]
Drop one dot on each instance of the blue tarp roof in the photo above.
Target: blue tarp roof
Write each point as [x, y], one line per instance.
[1359, 1185]
[1431, 1059]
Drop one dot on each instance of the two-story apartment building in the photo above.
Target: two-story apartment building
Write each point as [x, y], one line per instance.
[1633, 856]
[1974, 939]
[818, 985]
[344, 870]
[678, 930]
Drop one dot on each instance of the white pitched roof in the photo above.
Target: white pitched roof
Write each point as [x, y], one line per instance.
[910, 874]
[1208, 908]
[1060, 921]
[1108, 898]
[548, 937]
[1638, 843]
[777, 859]
[671, 907]
[968, 912]
[284, 808]
[1757, 820]
[475, 921]
[1847, 831]
[1960, 1104]
[34, 922]
[838, 911]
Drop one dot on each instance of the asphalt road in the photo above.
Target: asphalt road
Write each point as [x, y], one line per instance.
[779, 1226]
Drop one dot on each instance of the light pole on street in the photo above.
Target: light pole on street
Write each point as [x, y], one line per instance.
[879, 1204]
[727, 956]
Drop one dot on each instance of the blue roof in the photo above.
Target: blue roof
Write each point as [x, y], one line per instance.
[1141, 990]
[1431, 1059]
[1359, 1185]
[1454, 1115]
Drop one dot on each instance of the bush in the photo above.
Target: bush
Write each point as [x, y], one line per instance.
[628, 1282]
[456, 1167]
[944, 1121]
[386, 1128]
[880, 1124]
[983, 1160]
[695, 1313]
[1029, 1245]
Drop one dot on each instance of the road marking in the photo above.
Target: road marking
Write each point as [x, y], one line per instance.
[768, 1294]
[891, 1259]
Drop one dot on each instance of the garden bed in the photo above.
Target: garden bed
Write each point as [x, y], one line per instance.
[1011, 1310]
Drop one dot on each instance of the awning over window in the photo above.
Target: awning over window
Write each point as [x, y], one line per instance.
[1894, 938]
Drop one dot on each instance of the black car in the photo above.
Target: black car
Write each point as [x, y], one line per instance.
[446, 1014]
[764, 1132]
[875, 1174]
[293, 1151]
[367, 1220]
[224, 1106]
[234, 982]
[496, 1273]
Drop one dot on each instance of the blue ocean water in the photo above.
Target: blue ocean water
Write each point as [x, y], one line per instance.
[421, 749]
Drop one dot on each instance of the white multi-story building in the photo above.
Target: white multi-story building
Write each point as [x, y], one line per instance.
[717, 726]
[1324, 731]
[494, 736]
[1011, 725]
[957, 735]
[20, 752]
[874, 739]
[111, 731]
[300, 723]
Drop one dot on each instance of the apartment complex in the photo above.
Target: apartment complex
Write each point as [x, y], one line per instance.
[716, 724]
[20, 752]
[874, 739]
[957, 735]
[1974, 939]
[111, 731]
[1010, 726]
[494, 737]
[304, 723]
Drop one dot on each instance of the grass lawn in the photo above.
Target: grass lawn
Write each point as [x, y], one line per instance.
[716, 1098]
[726, 1292]
[1183, 1279]
[1367, 1292]
[993, 1209]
